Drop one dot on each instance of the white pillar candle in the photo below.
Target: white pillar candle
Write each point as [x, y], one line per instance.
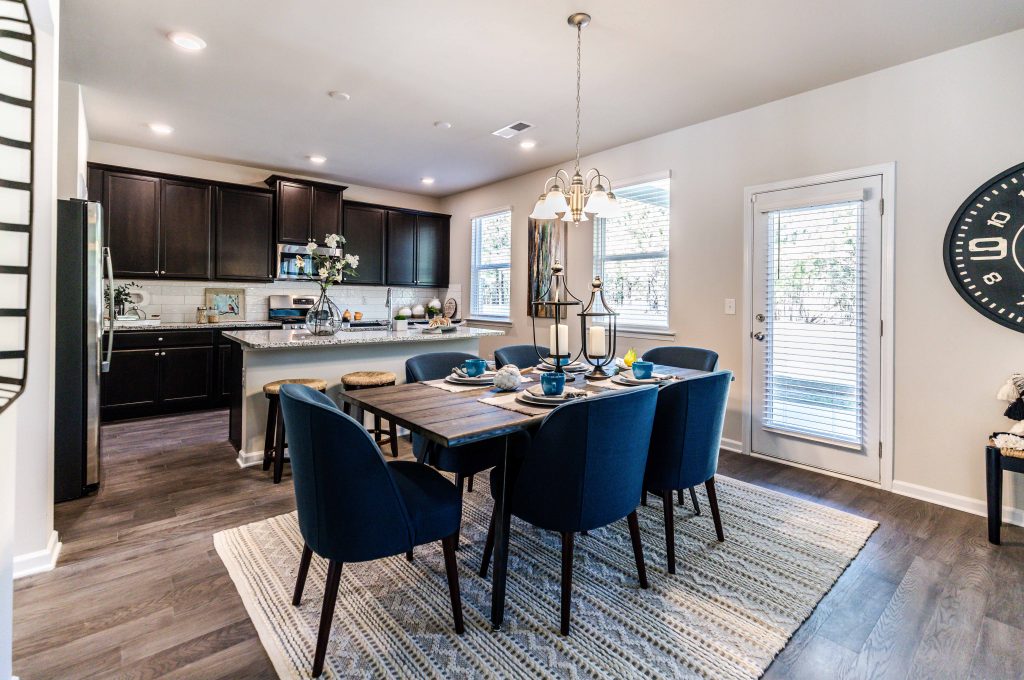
[595, 342]
[561, 333]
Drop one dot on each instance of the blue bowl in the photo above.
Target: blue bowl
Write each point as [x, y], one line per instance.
[474, 367]
[642, 370]
[552, 383]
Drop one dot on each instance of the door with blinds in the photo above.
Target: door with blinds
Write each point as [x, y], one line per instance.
[816, 326]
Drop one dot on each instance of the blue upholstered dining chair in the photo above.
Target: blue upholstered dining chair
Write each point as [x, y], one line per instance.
[522, 356]
[354, 506]
[683, 357]
[684, 445]
[464, 461]
[583, 469]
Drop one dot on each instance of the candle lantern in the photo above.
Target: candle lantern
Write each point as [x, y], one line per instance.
[599, 338]
[559, 299]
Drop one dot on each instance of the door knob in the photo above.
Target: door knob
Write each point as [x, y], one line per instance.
[759, 317]
[759, 336]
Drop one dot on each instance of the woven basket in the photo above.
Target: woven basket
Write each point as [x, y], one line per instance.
[1012, 453]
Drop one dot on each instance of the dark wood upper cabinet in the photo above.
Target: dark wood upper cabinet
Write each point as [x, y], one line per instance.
[401, 269]
[305, 210]
[244, 234]
[132, 216]
[186, 229]
[364, 236]
[95, 184]
[431, 250]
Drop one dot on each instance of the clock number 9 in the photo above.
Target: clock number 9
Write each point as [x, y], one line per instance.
[995, 246]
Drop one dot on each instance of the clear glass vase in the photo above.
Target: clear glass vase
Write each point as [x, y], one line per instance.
[323, 318]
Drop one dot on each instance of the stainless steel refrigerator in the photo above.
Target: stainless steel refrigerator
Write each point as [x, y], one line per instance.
[83, 263]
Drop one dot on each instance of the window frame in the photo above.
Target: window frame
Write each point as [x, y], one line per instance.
[475, 266]
[600, 258]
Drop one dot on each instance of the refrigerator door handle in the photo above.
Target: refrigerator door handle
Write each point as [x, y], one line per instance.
[108, 263]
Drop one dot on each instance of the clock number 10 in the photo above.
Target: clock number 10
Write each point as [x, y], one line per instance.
[992, 248]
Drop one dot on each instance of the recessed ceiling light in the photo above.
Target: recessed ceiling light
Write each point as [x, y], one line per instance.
[427, 180]
[318, 159]
[187, 41]
[442, 125]
[527, 144]
[338, 94]
[161, 128]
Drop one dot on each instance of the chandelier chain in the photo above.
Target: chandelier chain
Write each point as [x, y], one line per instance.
[579, 73]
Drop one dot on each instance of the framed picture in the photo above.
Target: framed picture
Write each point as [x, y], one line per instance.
[545, 244]
[229, 302]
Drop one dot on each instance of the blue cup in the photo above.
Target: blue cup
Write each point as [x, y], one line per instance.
[552, 383]
[474, 367]
[642, 370]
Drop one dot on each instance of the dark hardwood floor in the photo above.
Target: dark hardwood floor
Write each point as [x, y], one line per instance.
[139, 591]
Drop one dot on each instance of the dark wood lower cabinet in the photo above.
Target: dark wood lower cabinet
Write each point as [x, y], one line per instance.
[132, 383]
[186, 375]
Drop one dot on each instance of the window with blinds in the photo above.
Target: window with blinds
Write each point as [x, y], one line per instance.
[491, 266]
[631, 255]
[814, 354]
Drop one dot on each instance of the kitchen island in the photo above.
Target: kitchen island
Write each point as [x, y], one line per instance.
[263, 356]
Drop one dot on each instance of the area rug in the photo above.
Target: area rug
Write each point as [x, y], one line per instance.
[729, 609]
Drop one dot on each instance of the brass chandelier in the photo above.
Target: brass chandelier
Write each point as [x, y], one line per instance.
[582, 193]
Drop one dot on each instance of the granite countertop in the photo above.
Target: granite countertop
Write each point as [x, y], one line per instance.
[288, 339]
[187, 325]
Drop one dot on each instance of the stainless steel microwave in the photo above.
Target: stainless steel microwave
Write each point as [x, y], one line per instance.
[287, 264]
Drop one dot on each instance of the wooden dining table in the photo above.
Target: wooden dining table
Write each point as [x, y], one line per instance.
[456, 418]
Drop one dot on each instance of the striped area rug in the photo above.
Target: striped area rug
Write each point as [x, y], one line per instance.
[727, 612]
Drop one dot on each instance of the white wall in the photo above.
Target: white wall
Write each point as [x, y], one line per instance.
[158, 161]
[72, 141]
[945, 120]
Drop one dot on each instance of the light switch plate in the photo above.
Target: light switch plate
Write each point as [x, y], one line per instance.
[730, 305]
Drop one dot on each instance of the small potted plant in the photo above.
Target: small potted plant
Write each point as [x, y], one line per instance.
[401, 322]
[122, 297]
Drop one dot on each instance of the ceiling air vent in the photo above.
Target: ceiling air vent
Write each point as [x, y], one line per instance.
[512, 130]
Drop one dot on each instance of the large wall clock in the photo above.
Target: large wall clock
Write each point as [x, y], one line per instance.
[984, 249]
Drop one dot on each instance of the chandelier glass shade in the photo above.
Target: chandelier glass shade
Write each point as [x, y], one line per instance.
[575, 196]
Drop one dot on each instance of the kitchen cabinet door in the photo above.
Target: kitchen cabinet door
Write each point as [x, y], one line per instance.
[364, 228]
[186, 221]
[244, 235]
[431, 251]
[131, 206]
[401, 249]
[132, 381]
[294, 212]
[326, 214]
[224, 374]
[186, 375]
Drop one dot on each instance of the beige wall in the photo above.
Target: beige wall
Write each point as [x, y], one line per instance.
[158, 161]
[72, 141]
[946, 122]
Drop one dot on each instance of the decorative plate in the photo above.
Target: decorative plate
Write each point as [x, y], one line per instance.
[451, 308]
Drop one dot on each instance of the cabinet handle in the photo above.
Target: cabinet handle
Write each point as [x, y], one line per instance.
[163, 354]
[160, 339]
[156, 354]
[162, 271]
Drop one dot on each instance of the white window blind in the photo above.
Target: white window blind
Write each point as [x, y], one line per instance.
[814, 355]
[631, 255]
[491, 265]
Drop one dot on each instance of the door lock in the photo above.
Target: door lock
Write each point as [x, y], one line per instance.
[760, 317]
[759, 336]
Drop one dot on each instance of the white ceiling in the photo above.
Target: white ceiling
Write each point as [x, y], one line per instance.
[258, 94]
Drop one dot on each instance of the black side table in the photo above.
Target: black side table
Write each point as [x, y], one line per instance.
[997, 460]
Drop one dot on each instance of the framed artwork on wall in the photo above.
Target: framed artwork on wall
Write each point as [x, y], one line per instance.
[545, 243]
[229, 302]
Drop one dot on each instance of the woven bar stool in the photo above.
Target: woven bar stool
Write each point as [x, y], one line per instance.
[361, 380]
[273, 442]
[997, 460]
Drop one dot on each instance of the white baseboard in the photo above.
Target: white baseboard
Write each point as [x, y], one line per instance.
[248, 459]
[39, 561]
[733, 445]
[1011, 515]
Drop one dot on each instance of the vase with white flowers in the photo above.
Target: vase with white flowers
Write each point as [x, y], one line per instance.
[327, 266]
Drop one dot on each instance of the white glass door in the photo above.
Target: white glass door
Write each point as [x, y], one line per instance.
[816, 326]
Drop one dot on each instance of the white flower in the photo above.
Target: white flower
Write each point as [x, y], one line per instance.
[352, 260]
[332, 241]
[299, 262]
[323, 272]
[311, 246]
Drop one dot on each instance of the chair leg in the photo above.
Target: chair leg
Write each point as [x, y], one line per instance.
[469, 485]
[679, 493]
[994, 492]
[485, 561]
[460, 482]
[696, 505]
[643, 497]
[326, 616]
[638, 546]
[279, 448]
[567, 545]
[378, 432]
[300, 578]
[268, 438]
[670, 532]
[713, 502]
[393, 434]
[452, 571]
[408, 555]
